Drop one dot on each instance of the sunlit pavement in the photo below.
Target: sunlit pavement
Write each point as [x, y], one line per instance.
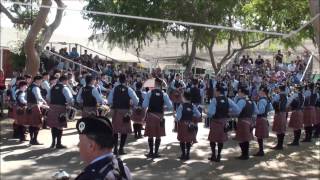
[21, 161]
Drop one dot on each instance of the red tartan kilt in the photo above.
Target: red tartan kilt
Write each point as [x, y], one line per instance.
[88, 111]
[21, 118]
[184, 135]
[309, 116]
[153, 128]
[53, 116]
[262, 128]
[34, 119]
[280, 123]
[139, 117]
[176, 96]
[317, 120]
[243, 132]
[14, 112]
[196, 120]
[117, 122]
[217, 133]
[296, 120]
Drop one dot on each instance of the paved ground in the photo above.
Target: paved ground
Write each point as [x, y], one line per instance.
[20, 161]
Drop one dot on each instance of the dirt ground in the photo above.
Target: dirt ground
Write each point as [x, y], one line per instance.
[21, 161]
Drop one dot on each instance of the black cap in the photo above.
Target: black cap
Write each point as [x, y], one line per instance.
[37, 77]
[94, 125]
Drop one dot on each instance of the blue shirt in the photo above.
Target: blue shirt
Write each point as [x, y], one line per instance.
[131, 93]
[195, 112]
[166, 99]
[233, 108]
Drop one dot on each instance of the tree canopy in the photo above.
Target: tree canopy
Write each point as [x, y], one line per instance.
[266, 15]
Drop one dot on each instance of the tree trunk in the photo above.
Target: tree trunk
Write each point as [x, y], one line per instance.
[33, 59]
[191, 58]
[47, 33]
[315, 9]
[213, 62]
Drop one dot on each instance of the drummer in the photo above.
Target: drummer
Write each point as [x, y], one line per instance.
[187, 127]
[90, 97]
[218, 110]
[20, 110]
[138, 113]
[59, 97]
[154, 102]
[35, 102]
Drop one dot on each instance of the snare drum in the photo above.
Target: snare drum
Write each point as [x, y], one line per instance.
[103, 110]
[70, 113]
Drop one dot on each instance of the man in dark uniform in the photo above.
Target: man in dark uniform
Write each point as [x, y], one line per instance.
[90, 97]
[245, 121]
[218, 111]
[95, 146]
[35, 102]
[21, 104]
[309, 111]
[59, 96]
[280, 118]
[296, 102]
[119, 98]
[154, 102]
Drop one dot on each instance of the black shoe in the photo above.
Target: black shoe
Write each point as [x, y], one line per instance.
[182, 157]
[60, 146]
[187, 157]
[52, 145]
[294, 144]
[259, 153]
[243, 157]
[35, 143]
[306, 140]
[217, 159]
[212, 158]
[277, 148]
[121, 152]
[157, 155]
[149, 155]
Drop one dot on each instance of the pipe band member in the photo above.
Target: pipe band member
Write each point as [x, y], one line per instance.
[119, 99]
[262, 125]
[280, 117]
[34, 116]
[139, 113]
[296, 102]
[154, 102]
[21, 106]
[59, 97]
[218, 112]
[90, 97]
[309, 111]
[245, 121]
[317, 122]
[187, 126]
[95, 146]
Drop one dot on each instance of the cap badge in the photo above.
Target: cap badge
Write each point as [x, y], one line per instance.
[82, 126]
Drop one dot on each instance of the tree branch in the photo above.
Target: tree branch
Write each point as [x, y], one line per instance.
[13, 19]
[48, 30]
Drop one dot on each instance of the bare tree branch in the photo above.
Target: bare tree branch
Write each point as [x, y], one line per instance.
[13, 19]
